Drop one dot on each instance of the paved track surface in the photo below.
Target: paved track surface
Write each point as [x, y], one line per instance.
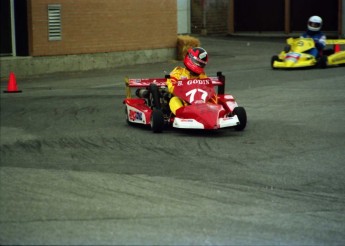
[73, 172]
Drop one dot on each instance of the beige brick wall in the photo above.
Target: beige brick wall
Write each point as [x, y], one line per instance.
[93, 26]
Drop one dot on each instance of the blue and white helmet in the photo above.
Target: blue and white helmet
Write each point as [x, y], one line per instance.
[314, 23]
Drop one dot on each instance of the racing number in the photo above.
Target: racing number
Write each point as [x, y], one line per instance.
[192, 93]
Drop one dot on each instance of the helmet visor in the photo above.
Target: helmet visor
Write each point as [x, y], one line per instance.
[314, 24]
[197, 61]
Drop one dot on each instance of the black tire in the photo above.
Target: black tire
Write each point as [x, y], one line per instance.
[273, 59]
[157, 121]
[156, 103]
[242, 117]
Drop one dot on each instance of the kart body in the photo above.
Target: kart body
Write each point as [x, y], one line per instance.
[203, 107]
[295, 54]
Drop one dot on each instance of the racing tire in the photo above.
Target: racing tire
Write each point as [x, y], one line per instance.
[242, 117]
[157, 121]
[155, 96]
[273, 59]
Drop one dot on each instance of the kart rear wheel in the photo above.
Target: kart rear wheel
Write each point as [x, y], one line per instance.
[157, 121]
[242, 117]
[155, 96]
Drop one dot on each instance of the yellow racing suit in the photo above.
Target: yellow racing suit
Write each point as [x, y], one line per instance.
[177, 74]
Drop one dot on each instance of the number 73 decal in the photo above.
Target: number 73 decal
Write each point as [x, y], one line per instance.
[193, 95]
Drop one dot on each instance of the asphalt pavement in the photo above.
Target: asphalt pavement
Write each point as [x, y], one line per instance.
[73, 172]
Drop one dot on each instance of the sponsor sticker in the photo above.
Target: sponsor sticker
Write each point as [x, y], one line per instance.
[294, 57]
[135, 115]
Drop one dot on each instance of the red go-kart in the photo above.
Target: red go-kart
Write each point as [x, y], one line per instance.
[204, 107]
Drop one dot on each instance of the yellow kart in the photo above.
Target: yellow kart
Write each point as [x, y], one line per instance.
[295, 54]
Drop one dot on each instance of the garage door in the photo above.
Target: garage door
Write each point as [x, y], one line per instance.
[259, 15]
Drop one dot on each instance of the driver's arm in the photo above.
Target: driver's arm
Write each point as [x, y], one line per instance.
[174, 76]
[320, 43]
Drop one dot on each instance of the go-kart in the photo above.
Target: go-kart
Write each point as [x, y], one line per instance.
[203, 107]
[295, 54]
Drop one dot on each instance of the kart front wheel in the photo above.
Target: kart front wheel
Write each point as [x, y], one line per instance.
[155, 96]
[157, 121]
[240, 112]
[273, 59]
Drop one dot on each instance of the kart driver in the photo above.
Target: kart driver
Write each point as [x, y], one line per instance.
[314, 27]
[195, 62]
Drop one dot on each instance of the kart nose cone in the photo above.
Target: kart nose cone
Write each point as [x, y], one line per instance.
[204, 113]
[289, 63]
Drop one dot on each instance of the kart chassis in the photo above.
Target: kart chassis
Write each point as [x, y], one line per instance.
[151, 107]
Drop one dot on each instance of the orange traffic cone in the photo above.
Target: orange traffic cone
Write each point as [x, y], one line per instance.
[336, 48]
[12, 84]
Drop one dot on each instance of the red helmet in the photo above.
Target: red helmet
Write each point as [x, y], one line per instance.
[196, 59]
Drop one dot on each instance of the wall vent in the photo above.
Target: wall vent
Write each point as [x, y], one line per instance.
[54, 22]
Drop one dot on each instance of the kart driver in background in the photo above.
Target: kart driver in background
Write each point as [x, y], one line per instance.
[195, 62]
[314, 32]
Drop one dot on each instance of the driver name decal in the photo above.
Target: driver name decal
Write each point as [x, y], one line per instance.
[194, 82]
[198, 81]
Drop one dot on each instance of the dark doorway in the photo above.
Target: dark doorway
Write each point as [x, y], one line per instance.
[21, 28]
[259, 15]
[5, 28]
[302, 10]
[21, 24]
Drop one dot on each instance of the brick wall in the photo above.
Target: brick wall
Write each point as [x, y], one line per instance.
[92, 26]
